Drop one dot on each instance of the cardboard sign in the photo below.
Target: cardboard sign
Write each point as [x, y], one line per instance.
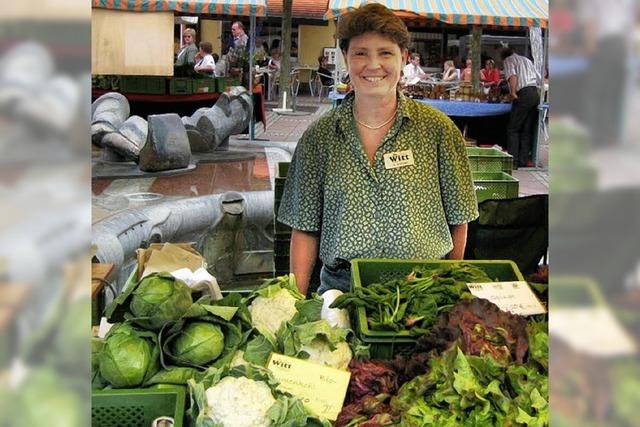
[321, 388]
[168, 257]
[514, 297]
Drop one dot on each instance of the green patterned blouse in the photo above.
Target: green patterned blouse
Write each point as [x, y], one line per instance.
[362, 210]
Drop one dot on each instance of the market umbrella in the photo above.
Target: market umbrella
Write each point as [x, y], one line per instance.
[523, 13]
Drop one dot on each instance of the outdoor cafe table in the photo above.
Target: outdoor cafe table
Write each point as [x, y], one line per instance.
[453, 108]
[468, 109]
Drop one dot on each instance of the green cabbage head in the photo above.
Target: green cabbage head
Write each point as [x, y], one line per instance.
[160, 298]
[127, 356]
[198, 343]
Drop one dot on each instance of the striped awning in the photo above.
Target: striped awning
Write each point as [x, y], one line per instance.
[502, 13]
[214, 7]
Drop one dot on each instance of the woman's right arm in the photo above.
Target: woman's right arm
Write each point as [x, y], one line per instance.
[304, 251]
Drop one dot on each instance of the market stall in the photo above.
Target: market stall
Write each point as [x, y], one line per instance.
[186, 354]
[533, 15]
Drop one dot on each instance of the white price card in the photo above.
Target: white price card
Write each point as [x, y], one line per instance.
[514, 297]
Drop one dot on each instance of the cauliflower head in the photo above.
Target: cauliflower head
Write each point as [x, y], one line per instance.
[320, 352]
[269, 313]
[238, 359]
[239, 402]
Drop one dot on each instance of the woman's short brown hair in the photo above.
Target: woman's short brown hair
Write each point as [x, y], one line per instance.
[372, 17]
[206, 47]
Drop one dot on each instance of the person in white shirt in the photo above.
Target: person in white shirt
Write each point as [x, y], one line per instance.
[206, 64]
[412, 73]
[523, 81]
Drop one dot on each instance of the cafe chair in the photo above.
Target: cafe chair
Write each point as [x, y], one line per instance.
[321, 87]
[294, 83]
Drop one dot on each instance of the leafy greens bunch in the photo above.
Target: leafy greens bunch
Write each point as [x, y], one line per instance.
[479, 366]
[461, 390]
[413, 303]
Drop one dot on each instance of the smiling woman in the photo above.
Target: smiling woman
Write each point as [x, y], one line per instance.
[381, 176]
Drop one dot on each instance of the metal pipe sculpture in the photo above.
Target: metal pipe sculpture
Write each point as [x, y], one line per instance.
[117, 237]
[209, 128]
[129, 138]
[167, 145]
[108, 113]
[162, 143]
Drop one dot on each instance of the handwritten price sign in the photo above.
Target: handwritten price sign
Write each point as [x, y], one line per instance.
[319, 387]
[514, 297]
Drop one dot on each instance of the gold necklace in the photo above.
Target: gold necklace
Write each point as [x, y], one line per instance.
[376, 127]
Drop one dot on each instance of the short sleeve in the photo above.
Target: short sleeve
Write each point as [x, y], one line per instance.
[458, 193]
[302, 200]
[209, 62]
[509, 68]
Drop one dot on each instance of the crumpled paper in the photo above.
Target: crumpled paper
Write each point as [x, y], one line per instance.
[199, 280]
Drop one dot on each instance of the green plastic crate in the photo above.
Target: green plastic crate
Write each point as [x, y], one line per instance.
[205, 85]
[282, 245]
[281, 263]
[137, 407]
[279, 188]
[283, 169]
[282, 228]
[495, 185]
[489, 160]
[386, 344]
[180, 86]
[224, 82]
[150, 85]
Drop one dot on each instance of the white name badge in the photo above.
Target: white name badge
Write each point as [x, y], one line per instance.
[398, 159]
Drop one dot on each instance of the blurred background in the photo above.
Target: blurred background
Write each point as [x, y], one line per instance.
[45, 213]
[594, 217]
[595, 200]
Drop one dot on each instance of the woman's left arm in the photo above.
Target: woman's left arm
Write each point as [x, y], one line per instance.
[459, 237]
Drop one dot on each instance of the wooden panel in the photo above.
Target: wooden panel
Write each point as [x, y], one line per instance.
[99, 271]
[212, 32]
[313, 39]
[132, 43]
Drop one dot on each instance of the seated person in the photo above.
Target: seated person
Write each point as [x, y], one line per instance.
[274, 62]
[490, 75]
[450, 73]
[206, 64]
[188, 52]
[323, 73]
[185, 59]
[412, 73]
[466, 73]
